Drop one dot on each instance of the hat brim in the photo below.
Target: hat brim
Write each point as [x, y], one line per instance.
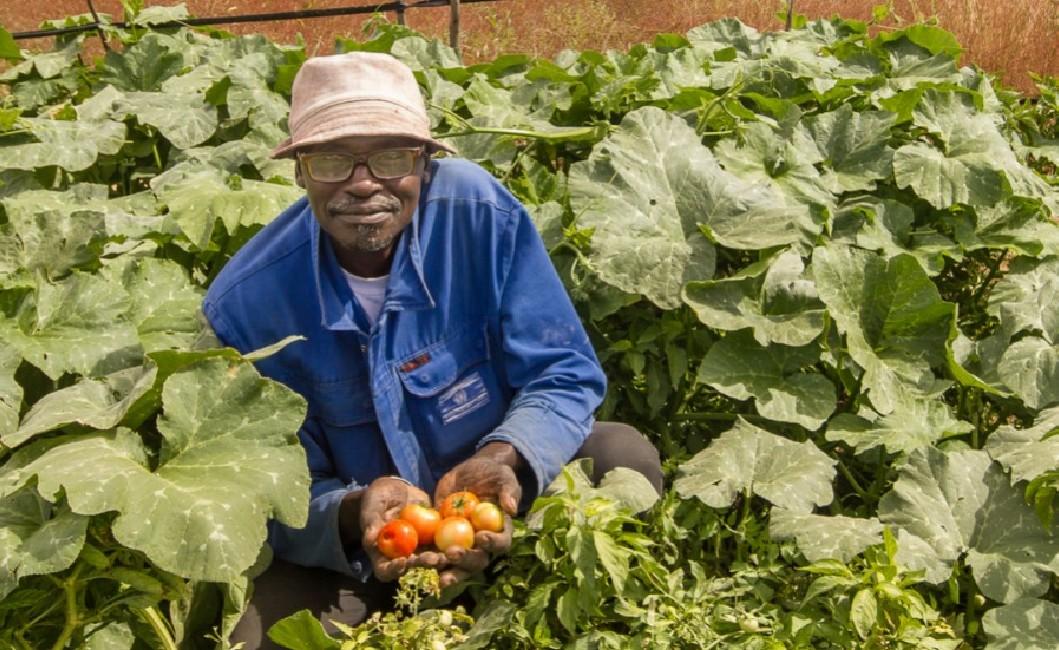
[358, 118]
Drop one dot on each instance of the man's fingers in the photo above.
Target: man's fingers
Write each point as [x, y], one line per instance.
[451, 576]
[510, 495]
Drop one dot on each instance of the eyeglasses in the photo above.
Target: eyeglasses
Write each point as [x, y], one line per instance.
[326, 167]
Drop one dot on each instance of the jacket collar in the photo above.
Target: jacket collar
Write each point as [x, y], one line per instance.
[406, 288]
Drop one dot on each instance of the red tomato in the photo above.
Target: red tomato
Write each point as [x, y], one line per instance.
[397, 539]
[458, 504]
[424, 519]
[487, 516]
[454, 531]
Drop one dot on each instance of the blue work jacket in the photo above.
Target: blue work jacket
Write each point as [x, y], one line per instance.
[477, 341]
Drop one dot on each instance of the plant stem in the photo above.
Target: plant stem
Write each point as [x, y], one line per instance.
[161, 630]
[73, 620]
[853, 482]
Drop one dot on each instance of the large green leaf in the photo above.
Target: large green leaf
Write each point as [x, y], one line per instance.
[973, 163]
[1027, 297]
[911, 425]
[1016, 224]
[949, 505]
[97, 403]
[164, 304]
[197, 196]
[644, 190]
[888, 227]
[144, 65]
[73, 145]
[1027, 453]
[777, 301]
[784, 160]
[854, 146]
[230, 460]
[822, 537]
[183, 118]
[747, 460]
[895, 322]
[1026, 624]
[1030, 368]
[77, 325]
[10, 391]
[36, 538]
[771, 375]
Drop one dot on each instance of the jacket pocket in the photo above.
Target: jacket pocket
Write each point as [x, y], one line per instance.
[452, 396]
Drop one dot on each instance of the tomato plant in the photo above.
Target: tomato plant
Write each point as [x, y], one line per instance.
[459, 504]
[397, 538]
[454, 531]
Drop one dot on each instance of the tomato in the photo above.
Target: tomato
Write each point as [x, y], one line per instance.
[458, 504]
[424, 519]
[487, 516]
[397, 538]
[454, 531]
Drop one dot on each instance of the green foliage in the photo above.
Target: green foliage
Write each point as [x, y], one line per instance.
[819, 267]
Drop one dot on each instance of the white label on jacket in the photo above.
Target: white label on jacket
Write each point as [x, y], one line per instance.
[463, 398]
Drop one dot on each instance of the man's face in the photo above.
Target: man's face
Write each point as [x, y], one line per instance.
[363, 214]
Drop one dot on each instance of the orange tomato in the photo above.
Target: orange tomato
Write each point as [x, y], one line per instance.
[454, 531]
[397, 538]
[487, 516]
[424, 519]
[458, 504]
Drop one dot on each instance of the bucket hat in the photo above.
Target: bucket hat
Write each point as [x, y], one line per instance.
[357, 93]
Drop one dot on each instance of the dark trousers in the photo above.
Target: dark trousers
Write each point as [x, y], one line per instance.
[286, 588]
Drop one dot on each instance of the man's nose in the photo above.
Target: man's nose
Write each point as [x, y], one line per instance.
[362, 181]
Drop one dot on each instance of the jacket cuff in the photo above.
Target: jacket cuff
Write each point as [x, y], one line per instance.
[546, 440]
[319, 544]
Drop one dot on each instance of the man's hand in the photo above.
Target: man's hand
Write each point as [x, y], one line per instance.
[491, 475]
[365, 512]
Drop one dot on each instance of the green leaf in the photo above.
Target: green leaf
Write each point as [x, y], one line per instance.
[8, 47]
[629, 488]
[302, 631]
[1027, 297]
[886, 226]
[740, 368]
[864, 612]
[1027, 453]
[949, 505]
[77, 325]
[823, 537]
[746, 459]
[1020, 225]
[1026, 624]
[229, 461]
[645, 202]
[778, 302]
[97, 403]
[197, 197]
[145, 65]
[74, 145]
[896, 324]
[913, 424]
[182, 118]
[1030, 368]
[110, 636]
[613, 557]
[10, 391]
[35, 537]
[164, 304]
[854, 146]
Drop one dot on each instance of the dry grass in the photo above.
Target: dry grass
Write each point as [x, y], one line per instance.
[1009, 38]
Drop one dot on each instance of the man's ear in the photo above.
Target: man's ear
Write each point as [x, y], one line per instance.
[298, 178]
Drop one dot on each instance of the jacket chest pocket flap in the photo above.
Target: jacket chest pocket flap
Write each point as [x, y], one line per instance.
[433, 369]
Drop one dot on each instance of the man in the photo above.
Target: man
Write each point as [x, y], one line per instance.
[441, 350]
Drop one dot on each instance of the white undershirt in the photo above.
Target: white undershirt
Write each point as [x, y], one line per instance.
[370, 293]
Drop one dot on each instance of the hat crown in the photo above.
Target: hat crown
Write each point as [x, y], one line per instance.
[355, 76]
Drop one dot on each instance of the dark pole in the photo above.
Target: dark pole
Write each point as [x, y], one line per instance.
[99, 28]
[790, 14]
[400, 11]
[454, 25]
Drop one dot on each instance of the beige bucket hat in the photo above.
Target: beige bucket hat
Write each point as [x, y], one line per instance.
[358, 93]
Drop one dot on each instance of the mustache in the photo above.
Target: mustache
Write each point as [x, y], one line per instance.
[375, 204]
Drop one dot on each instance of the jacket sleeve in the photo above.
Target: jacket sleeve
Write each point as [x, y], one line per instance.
[318, 543]
[548, 360]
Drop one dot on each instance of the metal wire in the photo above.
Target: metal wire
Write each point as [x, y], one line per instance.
[400, 6]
